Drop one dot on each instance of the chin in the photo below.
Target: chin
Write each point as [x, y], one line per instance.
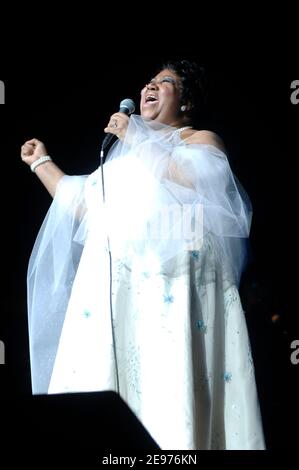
[148, 114]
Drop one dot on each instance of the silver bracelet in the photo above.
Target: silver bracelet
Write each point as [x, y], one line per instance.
[39, 161]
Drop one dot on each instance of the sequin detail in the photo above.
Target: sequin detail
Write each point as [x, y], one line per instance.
[227, 376]
[201, 326]
[168, 299]
[86, 314]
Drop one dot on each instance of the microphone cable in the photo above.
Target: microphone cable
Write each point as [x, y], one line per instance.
[127, 106]
[110, 283]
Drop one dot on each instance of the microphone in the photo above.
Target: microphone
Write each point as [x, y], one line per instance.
[126, 106]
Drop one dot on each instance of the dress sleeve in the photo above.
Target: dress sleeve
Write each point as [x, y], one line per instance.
[226, 207]
[52, 267]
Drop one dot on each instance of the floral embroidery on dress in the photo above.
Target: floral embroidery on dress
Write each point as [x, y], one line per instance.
[201, 326]
[230, 297]
[130, 367]
[168, 299]
[195, 254]
[146, 274]
[227, 376]
[133, 367]
[86, 314]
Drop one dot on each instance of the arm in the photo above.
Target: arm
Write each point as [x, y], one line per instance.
[48, 173]
[191, 136]
[203, 137]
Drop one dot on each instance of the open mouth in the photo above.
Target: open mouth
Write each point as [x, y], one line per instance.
[150, 98]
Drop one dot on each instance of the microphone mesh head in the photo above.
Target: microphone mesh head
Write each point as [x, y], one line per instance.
[127, 105]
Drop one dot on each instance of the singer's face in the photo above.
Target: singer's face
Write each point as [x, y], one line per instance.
[160, 98]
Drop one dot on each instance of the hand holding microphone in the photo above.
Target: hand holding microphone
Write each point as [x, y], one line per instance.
[118, 122]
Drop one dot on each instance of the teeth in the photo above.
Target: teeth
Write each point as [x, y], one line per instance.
[150, 98]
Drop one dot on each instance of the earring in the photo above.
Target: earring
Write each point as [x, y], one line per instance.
[183, 108]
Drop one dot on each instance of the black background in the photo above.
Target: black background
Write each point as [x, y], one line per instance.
[63, 94]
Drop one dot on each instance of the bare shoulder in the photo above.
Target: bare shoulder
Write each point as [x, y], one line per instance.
[203, 137]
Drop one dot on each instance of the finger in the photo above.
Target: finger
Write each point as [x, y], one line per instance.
[111, 130]
[113, 123]
[115, 116]
[27, 149]
[119, 115]
[33, 142]
[28, 145]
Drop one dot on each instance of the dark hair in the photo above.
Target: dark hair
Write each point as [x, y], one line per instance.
[194, 86]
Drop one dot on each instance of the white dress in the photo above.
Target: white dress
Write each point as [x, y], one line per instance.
[180, 354]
